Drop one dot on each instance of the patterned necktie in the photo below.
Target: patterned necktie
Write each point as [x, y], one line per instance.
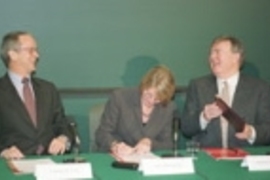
[29, 101]
[223, 122]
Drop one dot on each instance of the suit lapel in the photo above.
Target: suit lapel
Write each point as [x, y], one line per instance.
[212, 89]
[239, 95]
[154, 120]
[238, 99]
[40, 98]
[16, 101]
[136, 116]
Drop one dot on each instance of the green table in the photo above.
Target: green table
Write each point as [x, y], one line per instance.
[206, 168]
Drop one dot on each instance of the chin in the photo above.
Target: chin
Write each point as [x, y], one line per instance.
[33, 70]
[217, 71]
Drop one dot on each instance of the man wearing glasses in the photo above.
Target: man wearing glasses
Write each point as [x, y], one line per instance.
[32, 119]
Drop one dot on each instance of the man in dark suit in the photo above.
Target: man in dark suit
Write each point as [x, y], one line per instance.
[248, 97]
[38, 128]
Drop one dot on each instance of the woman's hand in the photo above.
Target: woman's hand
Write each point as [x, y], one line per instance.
[119, 149]
[143, 146]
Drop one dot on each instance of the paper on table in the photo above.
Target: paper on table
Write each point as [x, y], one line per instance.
[64, 171]
[257, 163]
[26, 166]
[162, 166]
[136, 157]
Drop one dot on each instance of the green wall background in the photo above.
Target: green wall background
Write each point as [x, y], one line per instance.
[88, 43]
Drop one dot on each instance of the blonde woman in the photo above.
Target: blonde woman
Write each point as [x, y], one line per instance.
[139, 119]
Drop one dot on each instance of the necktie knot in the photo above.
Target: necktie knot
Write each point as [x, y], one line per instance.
[25, 81]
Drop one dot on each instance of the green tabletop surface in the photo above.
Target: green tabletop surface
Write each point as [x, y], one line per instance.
[206, 168]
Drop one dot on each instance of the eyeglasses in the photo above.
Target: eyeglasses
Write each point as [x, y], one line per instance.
[30, 50]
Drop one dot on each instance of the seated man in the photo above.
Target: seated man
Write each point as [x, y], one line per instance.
[248, 97]
[32, 119]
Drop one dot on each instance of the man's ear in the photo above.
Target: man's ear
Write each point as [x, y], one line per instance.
[237, 57]
[13, 55]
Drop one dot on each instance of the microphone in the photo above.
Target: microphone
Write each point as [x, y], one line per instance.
[176, 126]
[76, 142]
[175, 134]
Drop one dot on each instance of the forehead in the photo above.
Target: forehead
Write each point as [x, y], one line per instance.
[27, 40]
[223, 44]
[151, 89]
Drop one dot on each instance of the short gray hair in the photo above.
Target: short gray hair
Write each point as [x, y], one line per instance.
[236, 45]
[10, 42]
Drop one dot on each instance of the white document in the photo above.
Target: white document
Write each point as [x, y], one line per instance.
[63, 171]
[165, 166]
[27, 166]
[136, 157]
[257, 163]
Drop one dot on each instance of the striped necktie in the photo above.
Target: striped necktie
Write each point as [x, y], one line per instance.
[29, 101]
[223, 122]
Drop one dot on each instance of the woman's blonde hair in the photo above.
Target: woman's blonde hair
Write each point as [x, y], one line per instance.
[160, 78]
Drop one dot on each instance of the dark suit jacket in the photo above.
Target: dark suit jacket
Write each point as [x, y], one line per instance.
[122, 121]
[251, 102]
[16, 127]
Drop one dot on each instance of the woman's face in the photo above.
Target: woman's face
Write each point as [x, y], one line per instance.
[149, 97]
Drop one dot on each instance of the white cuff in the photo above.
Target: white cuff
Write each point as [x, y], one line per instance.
[252, 138]
[203, 122]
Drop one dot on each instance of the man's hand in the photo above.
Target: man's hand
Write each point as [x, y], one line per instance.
[211, 111]
[58, 145]
[143, 146]
[246, 133]
[12, 153]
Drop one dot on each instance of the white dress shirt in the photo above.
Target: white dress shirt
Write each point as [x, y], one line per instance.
[17, 82]
[232, 83]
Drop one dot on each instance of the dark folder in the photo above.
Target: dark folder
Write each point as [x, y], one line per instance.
[234, 119]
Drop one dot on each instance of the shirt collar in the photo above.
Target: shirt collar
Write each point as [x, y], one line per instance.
[16, 78]
[232, 81]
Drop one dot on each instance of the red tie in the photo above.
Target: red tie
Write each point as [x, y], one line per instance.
[29, 100]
